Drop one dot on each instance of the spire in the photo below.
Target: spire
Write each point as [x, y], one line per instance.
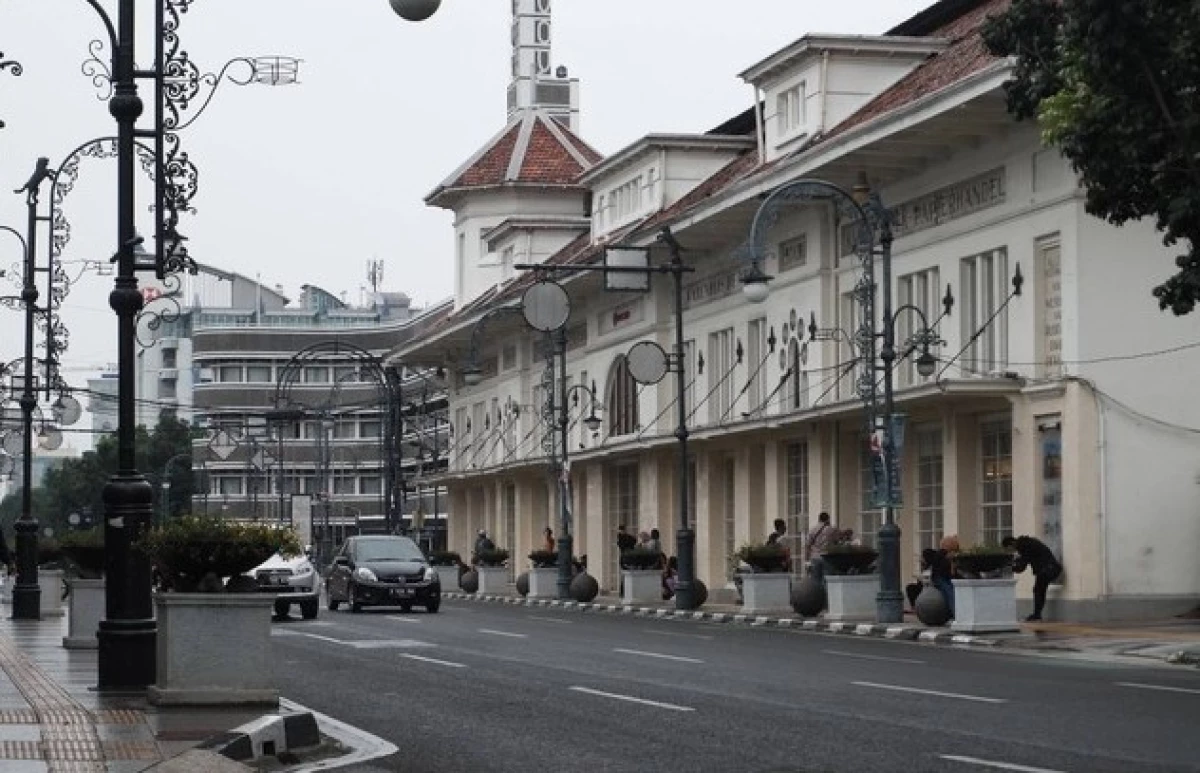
[533, 86]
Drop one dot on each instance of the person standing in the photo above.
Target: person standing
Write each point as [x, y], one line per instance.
[482, 544]
[548, 539]
[1037, 555]
[819, 538]
[6, 559]
[780, 530]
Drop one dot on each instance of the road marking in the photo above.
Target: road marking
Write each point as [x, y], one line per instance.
[937, 693]
[679, 658]
[434, 661]
[316, 636]
[676, 633]
[1162, 687]
[632, 699]
[509, 634]
[997, 765]
[862, 656]
[404, 619]
[381, 644]
[550, 619]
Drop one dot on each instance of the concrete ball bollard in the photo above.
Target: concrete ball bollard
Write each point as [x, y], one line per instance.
[808, 597]
[469, 582]
[931, 607]
[584, 588]
[523, 584]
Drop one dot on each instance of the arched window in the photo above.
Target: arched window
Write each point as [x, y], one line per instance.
[621, 399]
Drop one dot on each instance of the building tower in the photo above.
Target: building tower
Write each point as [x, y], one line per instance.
[533, 84]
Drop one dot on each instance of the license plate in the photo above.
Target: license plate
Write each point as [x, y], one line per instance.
[401, 593]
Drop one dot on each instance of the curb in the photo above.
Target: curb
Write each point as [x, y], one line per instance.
[267, 736]
[875, 630]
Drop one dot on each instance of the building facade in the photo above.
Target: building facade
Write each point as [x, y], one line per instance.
[1058, 406]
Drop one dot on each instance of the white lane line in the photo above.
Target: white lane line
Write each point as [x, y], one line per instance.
[632, 699]
[996, 764]
[1161, 687]
[509, 634]
[435, 661]
[936, 693]
[659, 655]
[404, 619]
[550, 619]
[862, 656]
[317, 636]
[362, 745]
[676, 633]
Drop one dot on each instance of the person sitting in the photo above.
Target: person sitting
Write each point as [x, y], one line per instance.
[941, 572]
[669, 577]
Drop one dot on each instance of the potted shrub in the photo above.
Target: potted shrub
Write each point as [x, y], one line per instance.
[493, 576]
[84, 555]
[214, 643]
[446, 563]
[851, 585]
[641, 576]
[985, 598]
[543, 576]
[767, 587]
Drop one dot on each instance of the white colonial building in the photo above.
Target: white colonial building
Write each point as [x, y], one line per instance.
[1061, 411]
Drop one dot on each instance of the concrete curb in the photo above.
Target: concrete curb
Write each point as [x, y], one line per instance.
[267, 736]
[875, 630]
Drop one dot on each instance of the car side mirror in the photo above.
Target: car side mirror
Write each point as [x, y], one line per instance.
[341, 561]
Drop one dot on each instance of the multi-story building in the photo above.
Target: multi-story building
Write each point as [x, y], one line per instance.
[1061, 411]
[102, 401]
[300, 420]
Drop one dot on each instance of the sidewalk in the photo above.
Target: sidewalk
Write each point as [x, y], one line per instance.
[52, 720]
[1175, 640]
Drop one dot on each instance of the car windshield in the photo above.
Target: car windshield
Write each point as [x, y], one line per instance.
[389, 549]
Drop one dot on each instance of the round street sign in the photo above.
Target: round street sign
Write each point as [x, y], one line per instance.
[647, 362]
[546, 306]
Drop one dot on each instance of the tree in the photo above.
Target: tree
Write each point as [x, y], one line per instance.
[78, 484]
[1114, 85]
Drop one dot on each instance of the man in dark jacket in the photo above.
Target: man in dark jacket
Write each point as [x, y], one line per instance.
[6, 558]
[1035, 554]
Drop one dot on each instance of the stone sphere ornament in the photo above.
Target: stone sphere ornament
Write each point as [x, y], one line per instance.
[469, 582]
[931, 607]
[415, 10]
[584, 588]
[523, 584]
[808, 597]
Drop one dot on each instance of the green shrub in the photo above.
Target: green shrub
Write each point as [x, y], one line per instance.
[444, 558]
[544, 559]
[640, 558]
[493, 557]
[85, 551]
[194, 553]
[765, 558]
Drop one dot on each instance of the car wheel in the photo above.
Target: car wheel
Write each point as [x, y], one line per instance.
[433, 604]
[330, 602]
[309, 609]
[406, 607]
[355, 605]
[281, 608]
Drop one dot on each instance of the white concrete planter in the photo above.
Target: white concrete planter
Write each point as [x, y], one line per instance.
[543, 583]
[985, 605]
[85, 610]
[641, 586]
[449, 577]
[51, 583]
[214, 649]
[851, 596]
[764, 592]
[492, 579]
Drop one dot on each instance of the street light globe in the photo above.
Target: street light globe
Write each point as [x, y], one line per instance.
[592, 422]
[415, 10]
[472, 376]
[756, 291]
[926, 364]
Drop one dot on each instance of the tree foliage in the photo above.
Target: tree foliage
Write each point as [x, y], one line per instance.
[77, 485]
[1113, 84]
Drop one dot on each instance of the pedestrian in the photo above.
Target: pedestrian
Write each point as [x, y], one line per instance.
[669, 577]
[1037, 555]
[777, 534]
[819, 538]
[5, 556]
[654, 542]
[625, 540]
[548, 540]
[483, 544]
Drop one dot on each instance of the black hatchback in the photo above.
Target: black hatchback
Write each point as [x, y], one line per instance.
[382, 571]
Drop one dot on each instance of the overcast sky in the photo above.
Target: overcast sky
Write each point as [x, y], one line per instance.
[305, 183]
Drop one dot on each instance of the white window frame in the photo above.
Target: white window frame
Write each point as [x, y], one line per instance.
[720, 379]
[796, 459]
[984, 282]
[919, 289]
[870, 519]
[995, 480]
[930, 486]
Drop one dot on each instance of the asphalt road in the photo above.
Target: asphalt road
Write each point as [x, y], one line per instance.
[485, 687]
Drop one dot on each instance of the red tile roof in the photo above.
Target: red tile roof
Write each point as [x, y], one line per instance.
[534, 149]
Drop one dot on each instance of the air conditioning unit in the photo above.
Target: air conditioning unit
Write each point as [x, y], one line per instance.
[205, 376]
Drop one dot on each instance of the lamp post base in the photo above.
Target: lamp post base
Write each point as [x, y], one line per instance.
[890, 601]
[685, 552]
[26, 594]
[126, 648]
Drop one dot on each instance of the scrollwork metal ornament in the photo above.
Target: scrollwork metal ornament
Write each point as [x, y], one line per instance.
[11, 66]
[97, 69]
